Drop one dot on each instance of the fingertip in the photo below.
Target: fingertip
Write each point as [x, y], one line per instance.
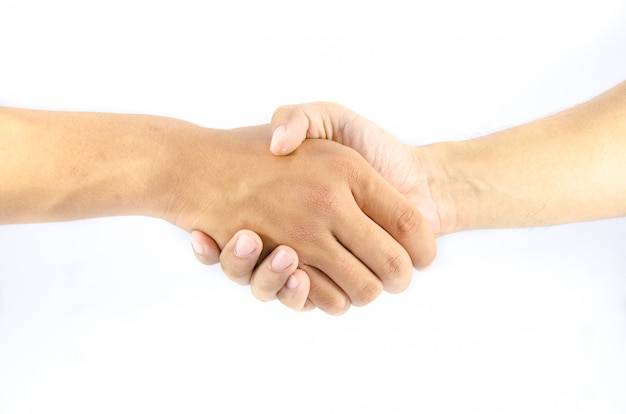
[277, 145]
[428, 253]
[294, 294]
[205, 248]
[196, 243]
[240, 255]
[292, 283]
[283, 259]
[271, 276]
[245, 245]
[290, 126]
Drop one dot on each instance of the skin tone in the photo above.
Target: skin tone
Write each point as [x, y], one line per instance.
[565, 168]
[354, 234]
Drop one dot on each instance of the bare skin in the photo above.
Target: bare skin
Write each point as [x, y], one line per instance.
[568, 167]
[332, 207]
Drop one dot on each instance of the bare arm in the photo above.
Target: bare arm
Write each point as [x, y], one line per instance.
[58, 166]
[565, 168]
[64, 166]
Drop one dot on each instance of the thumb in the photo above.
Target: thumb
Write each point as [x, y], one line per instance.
[289, 125]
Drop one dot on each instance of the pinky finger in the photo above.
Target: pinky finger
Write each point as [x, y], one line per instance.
[294, 294]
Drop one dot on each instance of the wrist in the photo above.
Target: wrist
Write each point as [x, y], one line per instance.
[184, 151]
[449, 182]
[203, 177]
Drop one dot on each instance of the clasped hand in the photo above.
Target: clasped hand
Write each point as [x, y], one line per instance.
[330, 230]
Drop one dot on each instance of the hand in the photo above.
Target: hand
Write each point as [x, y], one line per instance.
[323, 206]
[454, 184]
[400, 164]
[239, 259]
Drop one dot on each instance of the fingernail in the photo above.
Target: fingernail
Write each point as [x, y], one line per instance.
[197, 247]
[275, 144]
[281, 261]
[292, 282]
[245, 246]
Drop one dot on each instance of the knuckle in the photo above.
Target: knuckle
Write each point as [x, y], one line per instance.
[284, 110]
[261, 293]
[368, 293]
[241, 279]
[237, 272]
[335, 305]
[408, 221]
[265, 284]
[205, 260]
[345, 161]
[398, 273]
[394, 266]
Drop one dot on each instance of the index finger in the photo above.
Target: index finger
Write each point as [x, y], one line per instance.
[394, 213]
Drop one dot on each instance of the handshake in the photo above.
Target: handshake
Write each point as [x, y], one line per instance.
[351, 219]
[322, 208]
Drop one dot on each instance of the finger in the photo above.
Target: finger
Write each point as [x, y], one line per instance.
[240, 256]
[294, 123]
[289, 126]
[273, 273]
[394, 213]
[341, 273]
[204, 247]
[308, 306]
[294, 294]
[324, 252]
[377, 225]
[324, 293]
[384, 257]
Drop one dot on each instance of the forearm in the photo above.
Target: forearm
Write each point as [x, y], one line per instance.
[566, 168]
[58, 166]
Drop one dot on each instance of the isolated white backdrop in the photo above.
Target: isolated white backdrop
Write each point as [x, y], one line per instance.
[115, 315]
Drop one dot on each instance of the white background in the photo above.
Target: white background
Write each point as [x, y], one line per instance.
[115, 315]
